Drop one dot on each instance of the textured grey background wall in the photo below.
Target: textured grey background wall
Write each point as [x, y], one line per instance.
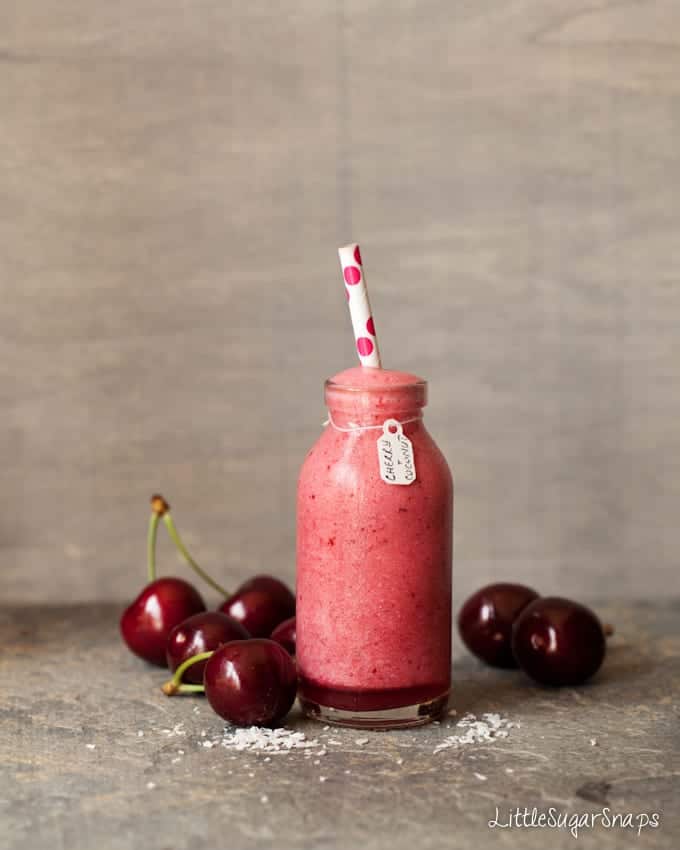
[174, 180]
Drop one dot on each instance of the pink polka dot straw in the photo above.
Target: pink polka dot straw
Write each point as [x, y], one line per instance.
[359, 306]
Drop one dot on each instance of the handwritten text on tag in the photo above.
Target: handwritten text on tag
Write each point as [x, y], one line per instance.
[395, 454]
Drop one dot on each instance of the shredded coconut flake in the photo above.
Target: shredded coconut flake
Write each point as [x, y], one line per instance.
[260, 739]
[177, 729]
[489, 727]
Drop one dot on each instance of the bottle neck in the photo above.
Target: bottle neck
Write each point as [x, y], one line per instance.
[340, 421]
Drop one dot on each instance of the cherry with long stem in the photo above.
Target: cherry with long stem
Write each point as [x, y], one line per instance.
[176, 685]
[164, 603]
[161, 508]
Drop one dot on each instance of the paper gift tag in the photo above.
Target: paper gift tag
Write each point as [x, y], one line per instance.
[395, 454]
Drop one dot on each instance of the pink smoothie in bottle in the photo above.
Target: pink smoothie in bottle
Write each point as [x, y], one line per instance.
[373, 561]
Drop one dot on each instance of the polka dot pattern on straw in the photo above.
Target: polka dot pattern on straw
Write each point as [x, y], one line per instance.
[359, 306]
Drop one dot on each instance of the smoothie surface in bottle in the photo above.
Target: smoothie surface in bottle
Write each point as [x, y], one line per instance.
[373, 559]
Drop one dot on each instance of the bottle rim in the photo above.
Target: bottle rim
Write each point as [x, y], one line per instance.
[330, 384]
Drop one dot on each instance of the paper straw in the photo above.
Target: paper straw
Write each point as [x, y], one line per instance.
[359, 306]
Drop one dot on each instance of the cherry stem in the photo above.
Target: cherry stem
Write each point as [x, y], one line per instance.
[176, 686]
[151, 547]
[160, 509]
[177, 540]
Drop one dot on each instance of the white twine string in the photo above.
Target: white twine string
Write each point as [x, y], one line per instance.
[381, 427]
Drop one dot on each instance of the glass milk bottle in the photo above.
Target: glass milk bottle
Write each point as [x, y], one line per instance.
[374, 551]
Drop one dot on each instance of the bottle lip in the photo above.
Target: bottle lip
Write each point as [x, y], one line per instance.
[330, 384]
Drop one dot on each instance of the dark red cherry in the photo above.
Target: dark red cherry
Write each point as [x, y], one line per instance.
[485, 621]
[251, 682]
[260, 604]
[284, 634]
[558, 642]
[200, 633]
[147, 622]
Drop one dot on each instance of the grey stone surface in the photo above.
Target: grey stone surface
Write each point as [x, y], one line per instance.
[68, 682]
[174, 180]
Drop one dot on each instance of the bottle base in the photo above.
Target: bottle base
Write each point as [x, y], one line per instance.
[403, 717]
